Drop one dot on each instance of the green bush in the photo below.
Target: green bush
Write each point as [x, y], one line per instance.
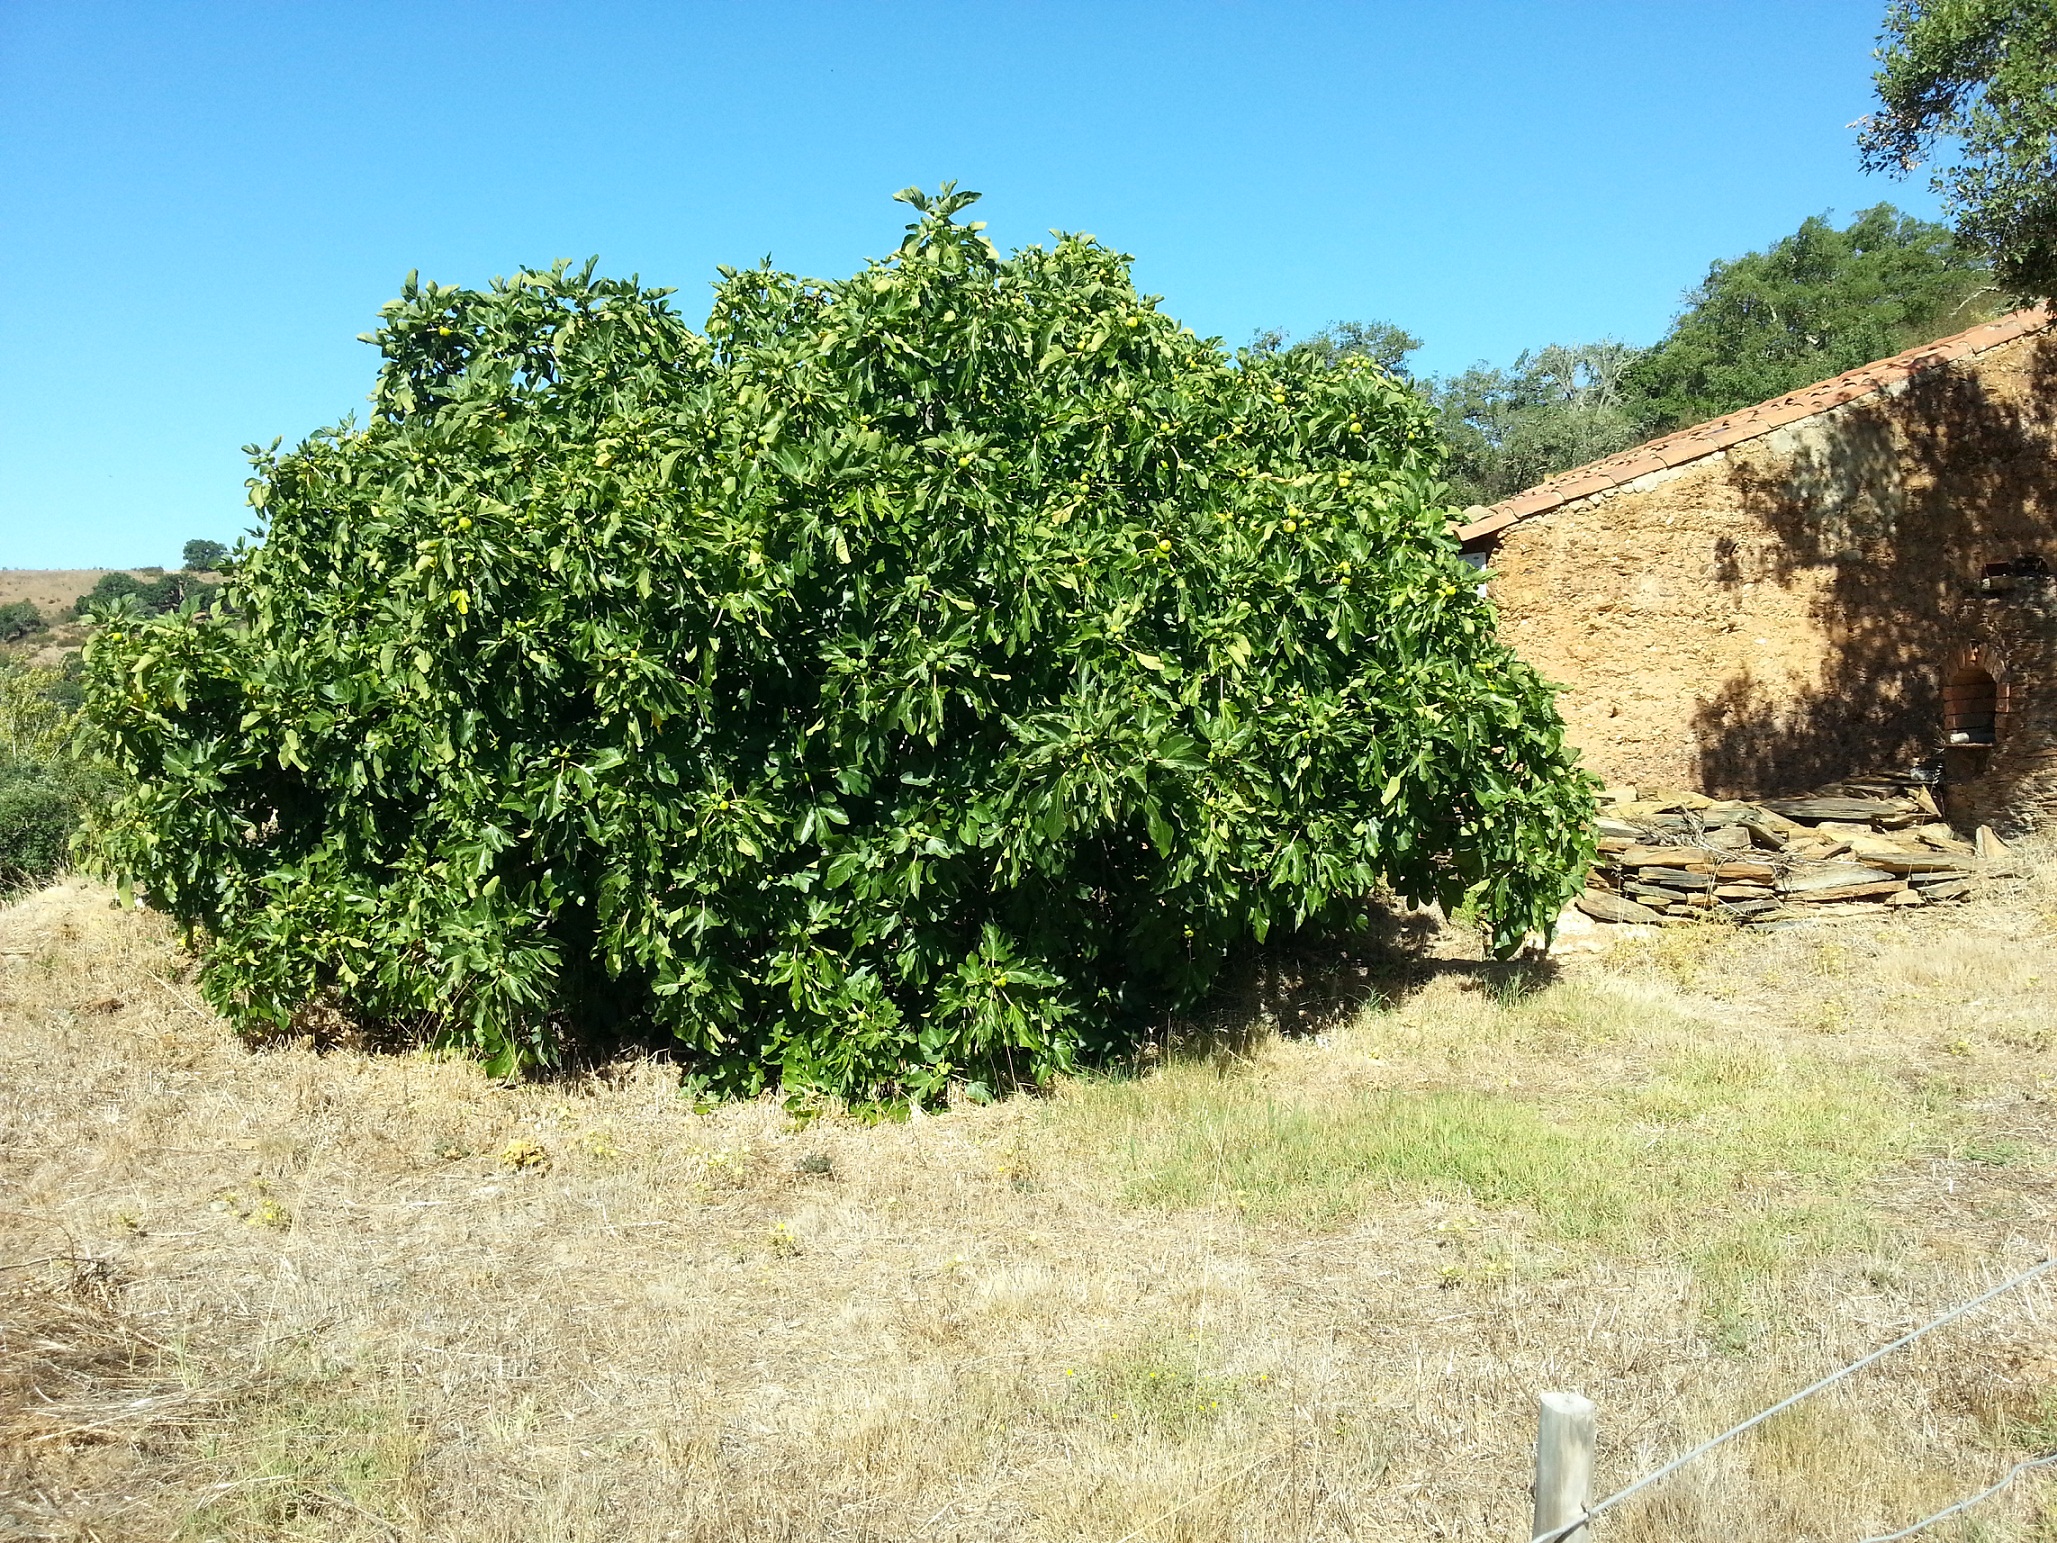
[932, 674]
[38, 814]
[203, 556]
[18, 619]
[166, 592]
[45, 788]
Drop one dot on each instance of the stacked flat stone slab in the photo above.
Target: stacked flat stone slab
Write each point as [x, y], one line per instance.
[1670, 859]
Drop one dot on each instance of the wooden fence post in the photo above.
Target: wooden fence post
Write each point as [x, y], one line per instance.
[1566, 1432]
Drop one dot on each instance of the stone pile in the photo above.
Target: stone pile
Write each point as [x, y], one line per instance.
[1867, 846]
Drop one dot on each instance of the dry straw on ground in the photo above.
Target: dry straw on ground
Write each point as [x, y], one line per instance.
[1276, 1288]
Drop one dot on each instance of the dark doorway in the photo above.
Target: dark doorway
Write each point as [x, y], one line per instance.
[1971, 704]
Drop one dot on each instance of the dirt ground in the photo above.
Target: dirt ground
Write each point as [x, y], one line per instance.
[1271, 1287]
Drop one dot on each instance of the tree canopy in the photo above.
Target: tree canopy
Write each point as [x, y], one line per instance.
[1820, 301]
[933, 674]
[45, 783]
[1378, 342]
[1976, 81]
[1558, 407]
[1825, 299]
[202, 556]
[19, 619]
[166, 592]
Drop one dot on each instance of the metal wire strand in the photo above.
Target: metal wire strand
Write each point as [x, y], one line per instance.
[1557, 1534]
[1967, 1502]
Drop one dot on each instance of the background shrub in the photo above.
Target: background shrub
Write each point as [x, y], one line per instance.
[166, 592]
[18, 619]
[38, 814]
[202, 556]
[931, 674]
[45, 787]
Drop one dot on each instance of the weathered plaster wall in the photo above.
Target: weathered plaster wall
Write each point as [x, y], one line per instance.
[1783, 612]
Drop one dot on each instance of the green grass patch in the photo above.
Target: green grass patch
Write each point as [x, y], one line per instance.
[314, 1458]
[1742, 1159]
[1186, 1139]
[1159, 1389]
[1994, 1151]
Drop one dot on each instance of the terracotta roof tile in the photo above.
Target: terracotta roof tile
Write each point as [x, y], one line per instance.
[1633, 466]
[1727, 434]
[1692, 444]
[1595, 482]
[1782, 413]
[1524, 504]
[1674, 451]
[1486, 526]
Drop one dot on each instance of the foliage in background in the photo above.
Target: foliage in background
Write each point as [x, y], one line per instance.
[1378, 342]
[1557, 408]
[167, 592]
[1976, 80]
[1821, 301]
[1813, 305]
[202, 556]
[932, 674]
[19, 619]
[45, 786]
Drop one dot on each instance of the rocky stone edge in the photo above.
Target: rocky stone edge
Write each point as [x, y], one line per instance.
[1682, 858]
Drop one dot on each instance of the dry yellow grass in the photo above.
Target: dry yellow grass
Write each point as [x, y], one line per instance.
[1298, 1288]
[50, 590]
[55, 590]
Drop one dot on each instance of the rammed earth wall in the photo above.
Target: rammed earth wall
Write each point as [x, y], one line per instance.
[2010, 633]
[1785, 610]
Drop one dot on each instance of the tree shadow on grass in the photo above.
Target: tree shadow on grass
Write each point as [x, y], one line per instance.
[1298, 985]
[1307, 984]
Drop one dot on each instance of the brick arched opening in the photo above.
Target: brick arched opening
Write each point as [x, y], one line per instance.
[1975, 699]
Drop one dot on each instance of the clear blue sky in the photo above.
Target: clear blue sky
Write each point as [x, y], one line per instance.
[202, 204]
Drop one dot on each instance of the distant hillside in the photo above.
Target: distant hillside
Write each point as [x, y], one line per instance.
[55, 590]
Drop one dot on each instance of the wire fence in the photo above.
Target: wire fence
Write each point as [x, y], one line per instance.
[1967, 1502]
[1559, 1533]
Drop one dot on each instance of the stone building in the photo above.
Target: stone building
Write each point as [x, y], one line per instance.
[1851, 579]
